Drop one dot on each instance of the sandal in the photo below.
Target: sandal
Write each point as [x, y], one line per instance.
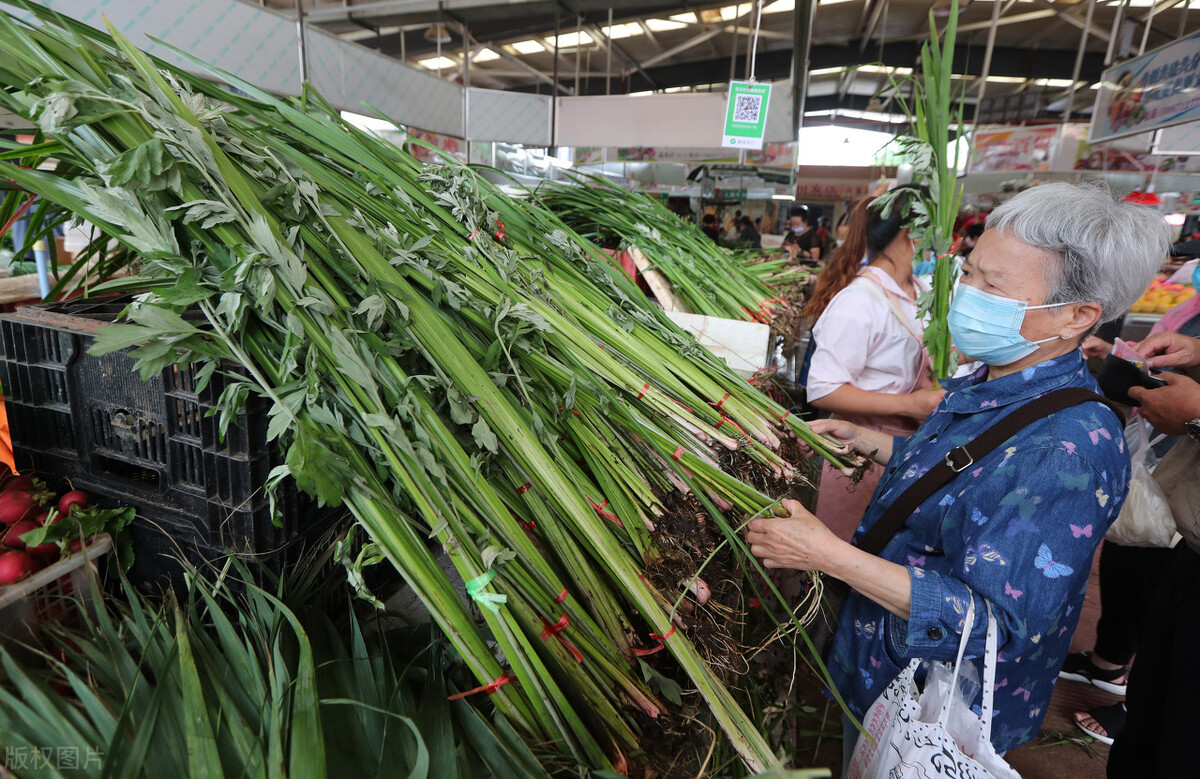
[1079, 667]
[1110, 719]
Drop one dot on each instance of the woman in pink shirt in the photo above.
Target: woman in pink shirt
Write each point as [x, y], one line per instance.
[869, 364]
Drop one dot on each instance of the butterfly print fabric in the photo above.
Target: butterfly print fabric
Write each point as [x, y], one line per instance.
[1019, 529]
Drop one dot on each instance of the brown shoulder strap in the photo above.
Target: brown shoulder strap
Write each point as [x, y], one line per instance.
[960, 458]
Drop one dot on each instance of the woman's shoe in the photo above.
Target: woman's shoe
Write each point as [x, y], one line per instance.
[1105, 722]
[1079, 667]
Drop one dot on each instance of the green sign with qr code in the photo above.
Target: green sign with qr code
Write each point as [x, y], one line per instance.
[746, 115]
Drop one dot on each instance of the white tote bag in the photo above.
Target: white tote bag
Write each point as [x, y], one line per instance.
[906, 746]
[1145, 518]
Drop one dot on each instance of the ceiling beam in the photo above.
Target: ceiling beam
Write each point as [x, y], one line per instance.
[1029, 16]
[326, 14]
[681, 47]
[1072, 17]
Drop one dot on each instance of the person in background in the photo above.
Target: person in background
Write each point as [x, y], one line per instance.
[869, 364]
[823, 234]
[1129, 577]
[843, 227]
[767, 227]
[708, 225]
[970, 236]
[749, 234]
[1014, 532]
[734, 228]
[800, 241]
[1164, 685]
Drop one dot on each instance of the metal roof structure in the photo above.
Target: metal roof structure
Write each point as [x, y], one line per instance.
[588, 47]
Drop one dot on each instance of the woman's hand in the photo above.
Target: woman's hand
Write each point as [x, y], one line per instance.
[799, 541]
[846, 433]
[920, 404]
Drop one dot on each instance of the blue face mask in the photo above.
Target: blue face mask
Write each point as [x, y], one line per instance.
[1196, 277]
[988, 327]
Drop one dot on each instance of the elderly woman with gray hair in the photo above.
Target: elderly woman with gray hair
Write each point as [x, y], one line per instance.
[1015, 527]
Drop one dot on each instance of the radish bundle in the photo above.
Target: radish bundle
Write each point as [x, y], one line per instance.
[459, 369]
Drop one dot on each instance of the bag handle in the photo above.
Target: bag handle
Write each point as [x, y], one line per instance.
[952, 694]
[988, 681]
[960, 458]
[990, 659]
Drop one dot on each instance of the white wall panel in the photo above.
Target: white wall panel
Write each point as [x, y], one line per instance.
[510, 117]
[262, 47]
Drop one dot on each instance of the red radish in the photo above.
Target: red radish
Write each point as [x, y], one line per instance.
[15, 565]
[44, 553]
[12, 536]
[19, 483]
[41, 518]
[74, 545]
[72, 499]
[15, 506]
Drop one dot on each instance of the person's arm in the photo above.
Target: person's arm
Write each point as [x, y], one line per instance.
[803, 542]
[848, 399]
[1023, 549]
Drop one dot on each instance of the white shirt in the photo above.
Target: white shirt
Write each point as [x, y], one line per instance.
[861, 342]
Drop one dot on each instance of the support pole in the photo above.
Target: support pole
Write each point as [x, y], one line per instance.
[1112, 39]
[987, 59]
[737, 32]
[1083, 41]
[1146, 29]
[608, 48]
[801, 49]
[303, 39]
[554, 88]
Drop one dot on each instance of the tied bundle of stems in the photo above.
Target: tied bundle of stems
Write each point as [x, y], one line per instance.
[704, 276]
[932, 111]
[449, 364]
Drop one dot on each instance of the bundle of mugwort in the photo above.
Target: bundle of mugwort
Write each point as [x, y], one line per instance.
[459, 369]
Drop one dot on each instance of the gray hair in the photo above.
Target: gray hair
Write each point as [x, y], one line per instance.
[1108, 252]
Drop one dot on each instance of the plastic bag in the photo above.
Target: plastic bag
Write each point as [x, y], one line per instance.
[1146, 518]
[964, 726]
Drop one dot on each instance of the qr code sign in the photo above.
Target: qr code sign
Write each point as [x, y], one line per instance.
[746, 108]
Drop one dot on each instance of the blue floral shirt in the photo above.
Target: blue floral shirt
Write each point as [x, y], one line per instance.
[1018, 528]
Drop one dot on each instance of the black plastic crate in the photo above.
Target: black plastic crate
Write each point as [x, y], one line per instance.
[151, 445]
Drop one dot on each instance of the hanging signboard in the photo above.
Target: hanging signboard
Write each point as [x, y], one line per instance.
[1156, 90]
[746, 115]
[1024, 148]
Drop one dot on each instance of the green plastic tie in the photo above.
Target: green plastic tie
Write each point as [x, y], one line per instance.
[488, 600]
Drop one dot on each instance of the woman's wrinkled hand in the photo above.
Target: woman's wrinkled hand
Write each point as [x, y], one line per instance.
[845, 433]
[798, 541]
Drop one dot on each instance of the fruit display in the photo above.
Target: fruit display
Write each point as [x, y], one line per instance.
[1162, 296]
